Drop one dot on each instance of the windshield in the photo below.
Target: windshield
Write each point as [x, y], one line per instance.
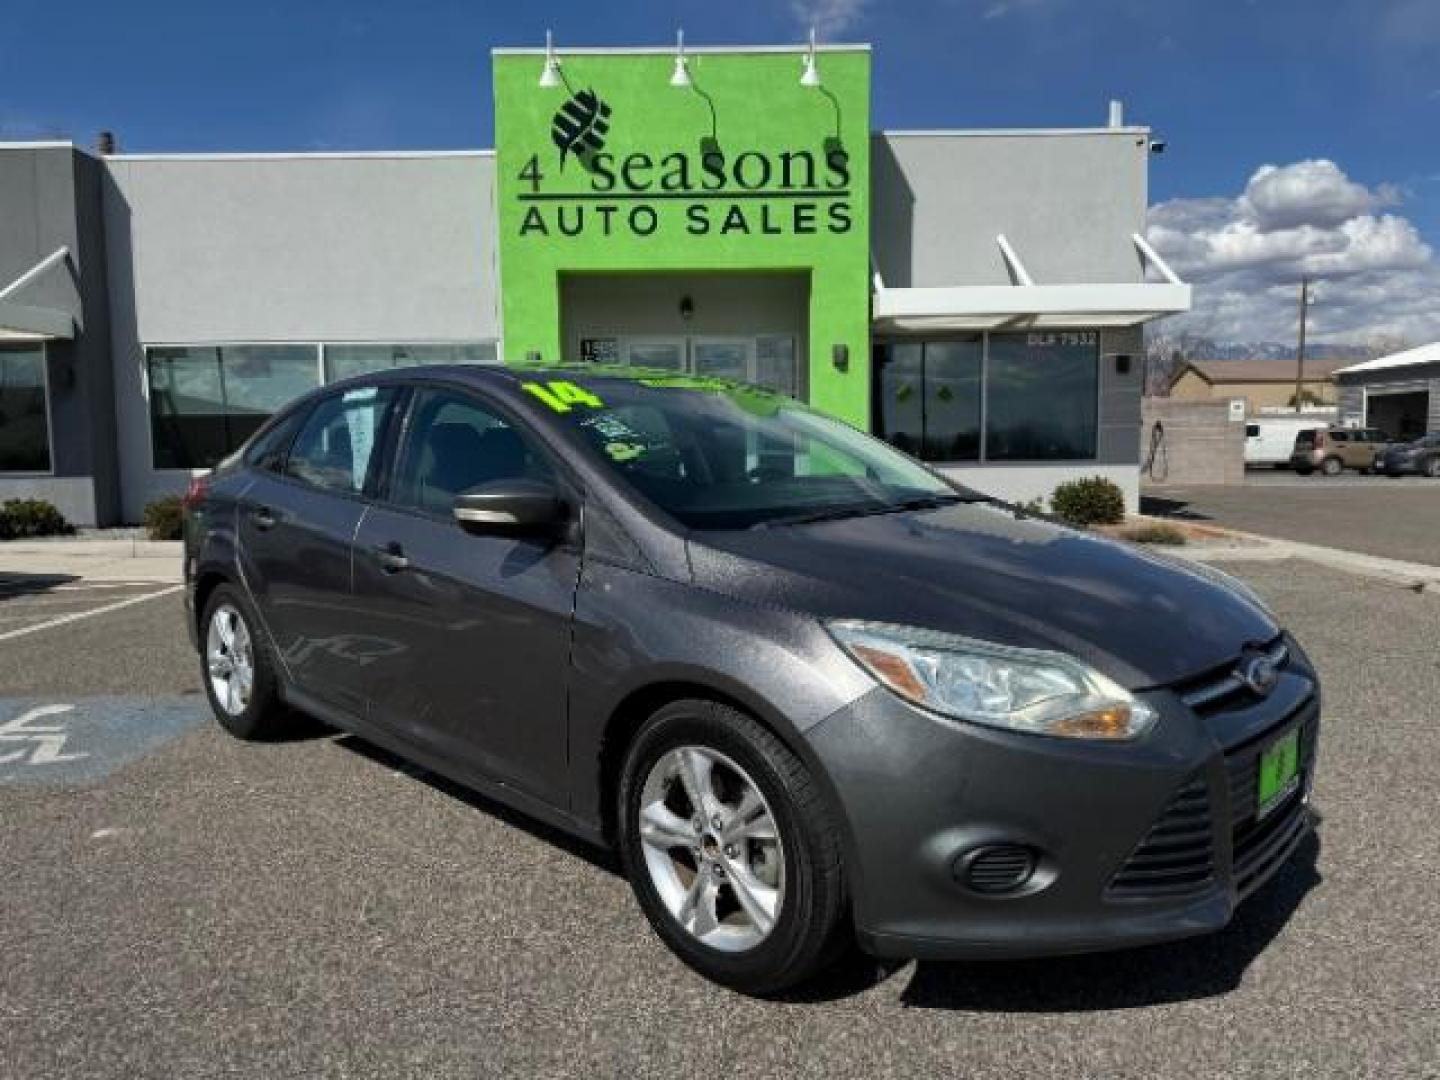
[715, 455]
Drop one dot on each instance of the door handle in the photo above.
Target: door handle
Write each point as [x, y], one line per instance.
[392, 558]
[263, 517]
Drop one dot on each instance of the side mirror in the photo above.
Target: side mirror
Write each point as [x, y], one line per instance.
[509, 507]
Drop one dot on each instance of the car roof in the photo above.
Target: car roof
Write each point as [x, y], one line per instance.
[508, 376]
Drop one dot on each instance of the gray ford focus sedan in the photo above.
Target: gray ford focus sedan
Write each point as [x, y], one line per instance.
[812, 692]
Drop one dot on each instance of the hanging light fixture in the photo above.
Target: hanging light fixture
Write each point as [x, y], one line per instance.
[810, 76]
[550, 73]
[681, 76]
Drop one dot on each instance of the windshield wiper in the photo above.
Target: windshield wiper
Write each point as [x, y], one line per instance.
[837, 513]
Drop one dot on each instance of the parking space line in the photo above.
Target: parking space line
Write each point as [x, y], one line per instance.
[78, 615]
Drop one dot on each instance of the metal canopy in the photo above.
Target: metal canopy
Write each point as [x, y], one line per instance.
[24, 322]
[1027, 305]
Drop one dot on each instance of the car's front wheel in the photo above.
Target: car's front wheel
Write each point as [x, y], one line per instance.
[730, 848]
[238, 670]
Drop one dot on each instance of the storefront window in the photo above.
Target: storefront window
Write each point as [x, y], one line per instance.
[928, 397]
[24, 412]
[205, 401]
[1035, 395]
[342, 361]
[1042, 396]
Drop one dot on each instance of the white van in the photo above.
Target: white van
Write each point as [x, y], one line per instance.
[1270, 440]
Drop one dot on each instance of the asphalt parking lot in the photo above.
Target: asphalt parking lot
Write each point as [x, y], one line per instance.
[177, 903]
[1396, 518]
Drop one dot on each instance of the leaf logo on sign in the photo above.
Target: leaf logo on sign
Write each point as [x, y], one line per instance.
[580, 126]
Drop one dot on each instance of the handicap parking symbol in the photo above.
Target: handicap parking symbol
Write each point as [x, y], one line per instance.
[43, 743]
[61, 743]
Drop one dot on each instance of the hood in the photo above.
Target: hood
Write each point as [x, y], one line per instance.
[990, 573]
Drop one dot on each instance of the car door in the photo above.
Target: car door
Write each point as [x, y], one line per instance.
[296, 527]
[478, 626]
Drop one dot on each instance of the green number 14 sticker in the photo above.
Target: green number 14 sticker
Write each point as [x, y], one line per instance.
[562, 396]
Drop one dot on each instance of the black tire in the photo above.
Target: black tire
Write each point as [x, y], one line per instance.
[264, 715]
[811, 928]
[1332, 466]
[1304, 470]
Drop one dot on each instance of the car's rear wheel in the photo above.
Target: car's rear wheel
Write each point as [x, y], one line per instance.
[1432, 468]
[238, 669]
[730, 848]
[1332, 466]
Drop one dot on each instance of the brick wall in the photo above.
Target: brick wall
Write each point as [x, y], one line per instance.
[1199, 443]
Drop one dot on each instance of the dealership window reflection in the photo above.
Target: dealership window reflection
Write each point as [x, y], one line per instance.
[999, 397]
[24, 410]
[928, 397]
[1042, 396]
[205, 401]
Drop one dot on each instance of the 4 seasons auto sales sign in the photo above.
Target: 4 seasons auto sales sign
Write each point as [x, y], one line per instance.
[616, 170]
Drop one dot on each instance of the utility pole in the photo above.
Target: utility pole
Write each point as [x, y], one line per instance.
[1300, 352]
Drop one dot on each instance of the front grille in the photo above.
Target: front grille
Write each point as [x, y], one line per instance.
[999, 868]
[1176, 857]
[1257, 846]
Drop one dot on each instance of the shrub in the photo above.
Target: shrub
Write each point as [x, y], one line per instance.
[1092, 501]
[165, 518]
[1154, 532]
[1035, 506]
[21, 519]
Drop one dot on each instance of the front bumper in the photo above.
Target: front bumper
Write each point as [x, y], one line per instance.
[919, 793]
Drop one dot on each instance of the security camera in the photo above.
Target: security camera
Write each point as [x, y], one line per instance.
[1157, 146]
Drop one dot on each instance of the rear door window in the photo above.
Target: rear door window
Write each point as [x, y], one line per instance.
[338, 446]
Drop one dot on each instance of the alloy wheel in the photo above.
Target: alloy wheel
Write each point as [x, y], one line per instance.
[712, 848]
[230, 659]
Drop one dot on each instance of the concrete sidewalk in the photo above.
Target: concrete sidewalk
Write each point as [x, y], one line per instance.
[93, 560]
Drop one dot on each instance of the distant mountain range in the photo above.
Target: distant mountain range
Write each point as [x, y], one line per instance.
[1198, 347]
[1272, 350]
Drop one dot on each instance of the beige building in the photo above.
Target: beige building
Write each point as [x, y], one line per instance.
[1262, 383]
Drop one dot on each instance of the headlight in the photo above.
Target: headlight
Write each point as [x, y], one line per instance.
[1029, 690]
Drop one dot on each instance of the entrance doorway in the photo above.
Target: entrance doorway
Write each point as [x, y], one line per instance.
[749, 327]
[1401, 415]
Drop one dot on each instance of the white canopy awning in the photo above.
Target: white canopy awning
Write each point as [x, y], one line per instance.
[24, 322]
[1026, 305]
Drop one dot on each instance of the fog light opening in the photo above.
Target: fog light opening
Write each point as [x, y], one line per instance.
[998, 869]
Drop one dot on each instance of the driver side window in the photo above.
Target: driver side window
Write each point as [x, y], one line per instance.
[453, 444]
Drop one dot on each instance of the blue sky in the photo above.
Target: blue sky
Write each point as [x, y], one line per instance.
[1341, 97]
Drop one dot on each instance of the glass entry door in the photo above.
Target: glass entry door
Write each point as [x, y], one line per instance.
[770, 360]
[668, 354]
[723, 358]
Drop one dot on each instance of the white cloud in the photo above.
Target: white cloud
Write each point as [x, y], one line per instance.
[1246, 254]
[1309, 192]
[829, 17]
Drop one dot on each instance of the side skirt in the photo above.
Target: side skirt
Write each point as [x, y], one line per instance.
[491, 788]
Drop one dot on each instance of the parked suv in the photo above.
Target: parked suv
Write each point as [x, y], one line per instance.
[1421, 456]
[1333, 450]
[808, 688]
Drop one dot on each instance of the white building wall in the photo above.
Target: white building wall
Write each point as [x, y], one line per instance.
[389, 248]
